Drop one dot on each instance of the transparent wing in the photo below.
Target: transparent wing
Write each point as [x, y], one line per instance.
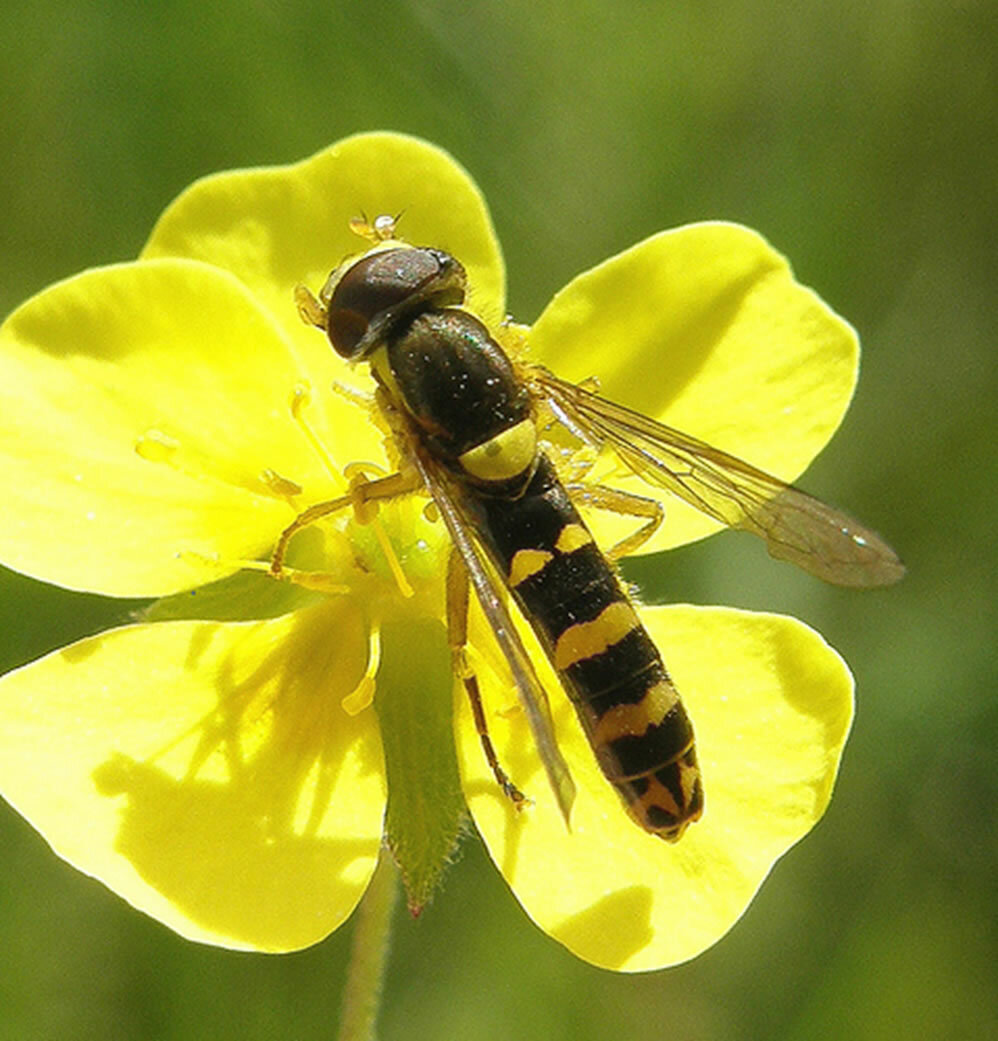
[795, 526]
[490, 596]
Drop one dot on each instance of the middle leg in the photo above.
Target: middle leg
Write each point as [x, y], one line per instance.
[457, 633]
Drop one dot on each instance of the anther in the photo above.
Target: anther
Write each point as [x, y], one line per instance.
[362, 695]
[283, 487]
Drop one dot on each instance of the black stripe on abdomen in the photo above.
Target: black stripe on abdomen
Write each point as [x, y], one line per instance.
[609, 665]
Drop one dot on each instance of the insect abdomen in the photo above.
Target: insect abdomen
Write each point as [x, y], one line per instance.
[608, 663]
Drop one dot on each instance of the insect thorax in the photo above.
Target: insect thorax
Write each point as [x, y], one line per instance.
[457, 386]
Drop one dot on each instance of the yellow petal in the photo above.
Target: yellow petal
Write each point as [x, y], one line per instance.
[139, 406]
[206, 772]
[705, 329]
[276, 226]
[771, 704]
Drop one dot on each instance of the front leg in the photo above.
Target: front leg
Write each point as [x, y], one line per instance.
[363, 493]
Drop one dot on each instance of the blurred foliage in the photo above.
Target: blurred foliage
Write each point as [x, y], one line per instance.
[859, 138]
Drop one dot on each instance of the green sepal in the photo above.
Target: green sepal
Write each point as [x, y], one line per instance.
[426, 809]
[244, 596]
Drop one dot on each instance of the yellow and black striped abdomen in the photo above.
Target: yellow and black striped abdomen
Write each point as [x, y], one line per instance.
[611, 669]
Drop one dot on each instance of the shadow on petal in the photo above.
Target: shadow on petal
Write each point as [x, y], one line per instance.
[208, 850]
[600, 925]
[207, 771]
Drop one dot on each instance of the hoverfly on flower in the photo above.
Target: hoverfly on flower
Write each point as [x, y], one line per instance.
[234, 759]
[464, 416]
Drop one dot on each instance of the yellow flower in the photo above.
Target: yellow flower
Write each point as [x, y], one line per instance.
[217, 763]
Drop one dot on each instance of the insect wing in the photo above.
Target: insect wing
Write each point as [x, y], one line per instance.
[528, 687]
[795, 526]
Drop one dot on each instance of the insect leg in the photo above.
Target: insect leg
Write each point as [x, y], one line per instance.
[457, 633]
[358, 497]
[310, 308]
[601, 497]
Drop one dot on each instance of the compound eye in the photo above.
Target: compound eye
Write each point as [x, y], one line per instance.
[384, 285]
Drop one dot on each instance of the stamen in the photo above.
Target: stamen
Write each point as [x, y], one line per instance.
[319, 581]
[358, 475]
[157, 447]
[362, 695]
[394, 565]
[301, 397]
[280, 486]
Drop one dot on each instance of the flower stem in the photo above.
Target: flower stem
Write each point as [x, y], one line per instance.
[369, 953]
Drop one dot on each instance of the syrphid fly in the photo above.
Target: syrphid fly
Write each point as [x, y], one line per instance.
[466, 417]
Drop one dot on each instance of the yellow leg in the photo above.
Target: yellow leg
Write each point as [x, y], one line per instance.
[311, 310]
[615, 501]
[358, 497]
[457, 634]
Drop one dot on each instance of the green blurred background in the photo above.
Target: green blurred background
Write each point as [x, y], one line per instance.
[860, 138]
